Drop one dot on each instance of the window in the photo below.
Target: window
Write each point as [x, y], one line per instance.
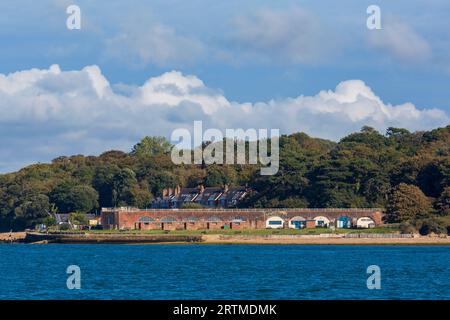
[275, 222]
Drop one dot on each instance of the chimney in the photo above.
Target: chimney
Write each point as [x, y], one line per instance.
[225, 188]
[177, 190]
[201, 188]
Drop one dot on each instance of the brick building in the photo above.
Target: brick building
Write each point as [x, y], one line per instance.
[207, 219]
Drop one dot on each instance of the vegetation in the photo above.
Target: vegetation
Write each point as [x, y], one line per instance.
[78, 218]
[408, 173]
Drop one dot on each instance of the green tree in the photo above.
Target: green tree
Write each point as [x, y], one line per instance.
[32, 211]
[406, 202]
[82, 198]
[151, 146]
[103, 182]
[69, 197]
[122, 187]
[49, 221]
[443, 203]
[78, 218]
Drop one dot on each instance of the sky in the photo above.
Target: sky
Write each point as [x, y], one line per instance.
[138, 68]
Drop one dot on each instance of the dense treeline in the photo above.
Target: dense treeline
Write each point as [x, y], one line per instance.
[406, 173]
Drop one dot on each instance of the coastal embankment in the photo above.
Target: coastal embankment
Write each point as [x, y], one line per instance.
[89, 238]
[372, 239]
[145, 238]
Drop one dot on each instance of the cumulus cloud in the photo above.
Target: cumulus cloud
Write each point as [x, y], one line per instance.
[401, 41]
[293, 35]
[50, 112]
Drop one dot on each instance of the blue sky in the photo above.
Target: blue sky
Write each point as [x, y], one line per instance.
[280, 63]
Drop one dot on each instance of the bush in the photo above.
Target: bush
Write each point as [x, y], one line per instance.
[431, 226]
[49, 221]
[78, 218]
[64, 227]
[406, 227]
[192, 205]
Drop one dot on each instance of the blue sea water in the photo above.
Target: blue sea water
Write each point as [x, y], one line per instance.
[224, 272]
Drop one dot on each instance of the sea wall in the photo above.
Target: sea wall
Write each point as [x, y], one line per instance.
[33, 237]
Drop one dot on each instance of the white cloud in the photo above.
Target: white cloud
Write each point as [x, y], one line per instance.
[47, 113]
[401, 41]
[292, 35]
[155, 43]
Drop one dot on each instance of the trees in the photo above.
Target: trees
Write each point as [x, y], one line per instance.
[69, 197]
[358, 171]
[151, 146]
[406, 202]
[443, 203]
[78, 218]
[32, 211]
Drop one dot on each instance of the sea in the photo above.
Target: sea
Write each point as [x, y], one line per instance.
[205, 272]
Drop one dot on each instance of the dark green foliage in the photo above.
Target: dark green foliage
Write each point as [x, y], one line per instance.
[430, 226]
[69, 197]
[443, 203]
[406, 203]
[31, 211]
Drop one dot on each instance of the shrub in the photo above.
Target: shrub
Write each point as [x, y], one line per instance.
[64, 227]
[406, 227]
[431, 226]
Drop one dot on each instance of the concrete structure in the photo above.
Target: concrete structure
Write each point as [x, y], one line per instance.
[204, 219]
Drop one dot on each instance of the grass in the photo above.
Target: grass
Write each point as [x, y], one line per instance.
[254, 231]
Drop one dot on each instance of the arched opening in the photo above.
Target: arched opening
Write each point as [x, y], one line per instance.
[344, 222]
[322, 222]
[144, 223]
[297, 223]
[214, 223]
[365, 222]
[275, 223]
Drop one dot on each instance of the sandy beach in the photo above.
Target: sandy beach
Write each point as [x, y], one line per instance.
[14, 236]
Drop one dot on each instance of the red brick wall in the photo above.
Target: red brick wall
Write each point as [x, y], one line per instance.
[254, 219]
[310, 224]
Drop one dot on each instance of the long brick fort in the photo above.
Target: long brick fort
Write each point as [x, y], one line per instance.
[206, 219]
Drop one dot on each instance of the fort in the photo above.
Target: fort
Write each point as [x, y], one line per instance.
[126, 218]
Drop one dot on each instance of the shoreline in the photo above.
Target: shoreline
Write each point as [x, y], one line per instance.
[315, 240]
[328, 239]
